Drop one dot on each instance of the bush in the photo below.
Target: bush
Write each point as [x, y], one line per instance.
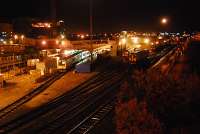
[153, 98]
[133, 118]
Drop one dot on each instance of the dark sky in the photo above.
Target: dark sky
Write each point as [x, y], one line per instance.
[111, 15]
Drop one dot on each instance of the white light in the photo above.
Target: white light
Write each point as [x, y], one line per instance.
[62, 36]
[135, 40]
[16, 37]
[66, 52]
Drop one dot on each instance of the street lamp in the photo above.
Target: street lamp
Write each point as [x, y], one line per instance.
[22, 39]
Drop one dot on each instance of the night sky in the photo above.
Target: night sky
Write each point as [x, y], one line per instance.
[110, 15]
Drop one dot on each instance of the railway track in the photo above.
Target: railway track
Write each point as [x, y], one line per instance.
[93, 119]
[12, 107]
[78, 91]
[72, 117]
[89, 123]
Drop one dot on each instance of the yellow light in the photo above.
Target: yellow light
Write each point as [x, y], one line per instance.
[4, 42]
[135, 40]
[16, 37]
[146, 41]
[44, 42]
[62, 42]
[138, 46]
[11, 42]
[160, 37]
[48, 25]
[123, 41]
[57, 42]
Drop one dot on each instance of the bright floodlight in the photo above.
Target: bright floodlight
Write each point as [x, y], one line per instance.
[123, 41]
[135, 40]
[146, 41]
[16, 37]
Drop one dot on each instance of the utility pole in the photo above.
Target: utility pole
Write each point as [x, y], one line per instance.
[91, 29]
[53, 10]
[53, 15]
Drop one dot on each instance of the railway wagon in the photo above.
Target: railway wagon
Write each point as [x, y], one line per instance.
[71, 60]
[138, 56]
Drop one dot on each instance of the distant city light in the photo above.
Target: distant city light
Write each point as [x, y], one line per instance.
[82, 36]
[16, 37]
[61, 21]
[135, 40]
[157, 42]
[146, 41]
[62, 42]
[138, 46]
[42, 25]
[62, 36]
[4, 42]
[11, 42]
[57, 42]
[160, 37]
[66, 52]
[22, 37]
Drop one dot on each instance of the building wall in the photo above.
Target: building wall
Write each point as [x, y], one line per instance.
[6, 27]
